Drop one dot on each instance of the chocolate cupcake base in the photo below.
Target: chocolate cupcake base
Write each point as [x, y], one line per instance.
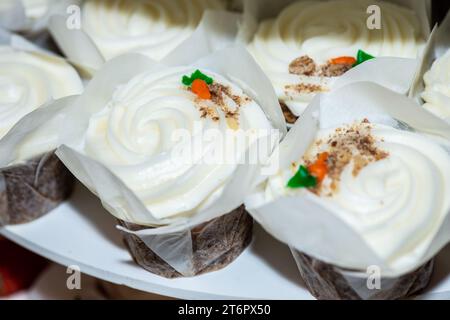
[30, 190]
[327, 282]
[215, 244]
[288, 115]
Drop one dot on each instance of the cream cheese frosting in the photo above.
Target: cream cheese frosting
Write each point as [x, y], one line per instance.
[134, 135]
[396, 201]
[324, 30]
[151, 27]
[28, 80]
[437, 88]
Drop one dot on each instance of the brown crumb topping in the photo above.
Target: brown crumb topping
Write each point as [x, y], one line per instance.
[219, 95]
[354, 143]
[305, 65]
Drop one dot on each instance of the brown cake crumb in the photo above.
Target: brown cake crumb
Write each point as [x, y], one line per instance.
[288, 115]
[304, 88]
[303, 65]
[353, 143]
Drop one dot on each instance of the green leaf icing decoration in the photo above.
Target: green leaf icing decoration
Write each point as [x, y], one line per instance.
[362, 57]
[302, 179]
[187, 81]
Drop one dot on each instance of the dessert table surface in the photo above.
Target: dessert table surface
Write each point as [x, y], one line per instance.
[81, 233]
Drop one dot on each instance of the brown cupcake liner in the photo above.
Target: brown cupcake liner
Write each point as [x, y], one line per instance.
[327, 282]
[215, 244]
[30, 190]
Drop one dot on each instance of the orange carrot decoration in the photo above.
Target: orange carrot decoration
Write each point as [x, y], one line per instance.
[343, 60]
[319, 169]
[200, 88]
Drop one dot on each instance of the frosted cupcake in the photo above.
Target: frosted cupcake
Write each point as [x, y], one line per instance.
[311, 43]
[132, 134]
[37, 181]
[27, 15]
[437, 88]
[389, 187]
[154, 27]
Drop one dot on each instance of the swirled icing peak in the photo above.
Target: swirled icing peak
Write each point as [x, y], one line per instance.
[30, 80]
[390, 186]
[437, 87]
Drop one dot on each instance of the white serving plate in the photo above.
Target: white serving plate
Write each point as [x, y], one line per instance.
[80, 232]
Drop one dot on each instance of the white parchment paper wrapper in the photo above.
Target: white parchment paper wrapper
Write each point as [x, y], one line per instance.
[305, 223]
[14, 17]
[78, 47]
[437, 46]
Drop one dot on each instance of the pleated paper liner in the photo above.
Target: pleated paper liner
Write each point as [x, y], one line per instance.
[328, 282]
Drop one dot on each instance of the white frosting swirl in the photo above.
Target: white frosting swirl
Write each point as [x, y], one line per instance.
[133, 136]
[437, 87]
[324, 30]
[151, 27]
[397, 204]
[28, 81]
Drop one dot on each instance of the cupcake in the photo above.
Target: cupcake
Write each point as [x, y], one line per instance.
[29, 16]
[36, 181]
[310, 43]
[362, 203]
[436, 94]
[149, 151]
[110, 28]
